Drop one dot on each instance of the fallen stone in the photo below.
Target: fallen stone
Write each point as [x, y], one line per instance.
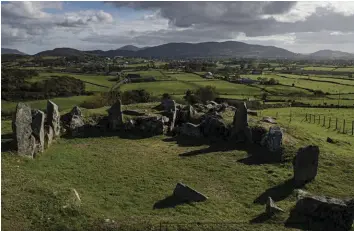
[330, 140]
[38, 129]
[273, 139]
[22, 129]
[272, 208]
[305, 164]
[321, 213]
[187, 194]
[53, 118]
[190, 130]
[213, 127]
[269, 120]
[152, 125]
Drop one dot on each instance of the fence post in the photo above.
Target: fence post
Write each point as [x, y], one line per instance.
[336, 123]
[319, 119]
[324, 121]
[343, 126]
[329, 123]
[306, 117]
[352, 127]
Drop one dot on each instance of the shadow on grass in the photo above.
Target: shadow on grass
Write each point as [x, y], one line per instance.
[261, 218]
[168, 202]
[7, 142]
[277, 193]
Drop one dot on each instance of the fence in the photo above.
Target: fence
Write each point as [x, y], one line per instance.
[341, 125]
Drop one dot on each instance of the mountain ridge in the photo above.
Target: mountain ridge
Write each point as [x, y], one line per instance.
[12, 51]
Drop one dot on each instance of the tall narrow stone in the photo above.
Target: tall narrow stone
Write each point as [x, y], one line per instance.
[115, 116]
[53, 118]
[305, 164]
[240, 123]
[22, 129]
[48, 136]
[38, 129]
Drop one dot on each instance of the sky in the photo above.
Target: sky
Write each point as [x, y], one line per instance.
[301, 27]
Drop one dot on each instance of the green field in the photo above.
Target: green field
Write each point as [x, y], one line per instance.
[122, 178]
[64, 103]
[160, 87]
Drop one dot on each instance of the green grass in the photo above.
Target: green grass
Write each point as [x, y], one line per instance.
[319, 68]
[186, 76]
[121, 179]
[224, 87]
[161, 87]
[95, 79]
[150, 73]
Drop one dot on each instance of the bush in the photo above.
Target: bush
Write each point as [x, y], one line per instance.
[136, 96]
[202, 94]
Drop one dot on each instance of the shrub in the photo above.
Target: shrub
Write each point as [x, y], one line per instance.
[136, 96]
[202, 94]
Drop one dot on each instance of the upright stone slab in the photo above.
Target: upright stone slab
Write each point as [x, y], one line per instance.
[190, 130]
[305, 164]
[273, 139]
[48, 136]
[38, 129]
[169, 105]
[22, 129]
[76, 125]
[115, 116]
[53, 118]
[240, 123]
[76, 111]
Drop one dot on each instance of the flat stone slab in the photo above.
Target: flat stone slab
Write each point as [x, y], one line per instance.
[268, 119]
[185, 193]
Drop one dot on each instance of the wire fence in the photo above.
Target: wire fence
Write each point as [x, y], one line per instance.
[341, 125]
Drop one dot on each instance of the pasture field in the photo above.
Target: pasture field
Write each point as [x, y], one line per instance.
[150, 73]
[128, 175]
[349, 69]
[186, 76]
[64, 103]
[322, 68]
[321, 78]
[224, 87]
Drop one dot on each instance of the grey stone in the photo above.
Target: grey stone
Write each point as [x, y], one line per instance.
[48, 136]
[129, 125]
[271, 207]
[305, 164]
[169, 105]
[214, 128]
[273, 139]
[187, 194]
[240, 124]
[53, 118]
[22, 129]
[115, 116]
[76, 111]
[151, 125]
[322, 213]
[213, 103]
[240, 121]
[269, 120]
[38, 118]
[190, 130]
[76, 125]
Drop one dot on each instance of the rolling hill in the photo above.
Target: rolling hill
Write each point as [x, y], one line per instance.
[330, 54]
[11, 51]
[199, 50]
[62, 52]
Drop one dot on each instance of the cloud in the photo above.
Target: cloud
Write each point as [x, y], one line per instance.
[291, 25]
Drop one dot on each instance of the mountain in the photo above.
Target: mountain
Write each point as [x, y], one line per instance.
[11, 51]
[62, 52]
[330, 54]
[129, 48]
[203, 50]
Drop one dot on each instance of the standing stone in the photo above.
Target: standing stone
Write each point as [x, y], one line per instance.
[38, 129]
[22, 129]
[240, 123]
[76, 111]
[273, 139]
[305, 164]
[53, 118]
[169, 105]
[272, 208]
[115, 116]
[48, 136]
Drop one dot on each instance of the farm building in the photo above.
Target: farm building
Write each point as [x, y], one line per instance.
[208, 75]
